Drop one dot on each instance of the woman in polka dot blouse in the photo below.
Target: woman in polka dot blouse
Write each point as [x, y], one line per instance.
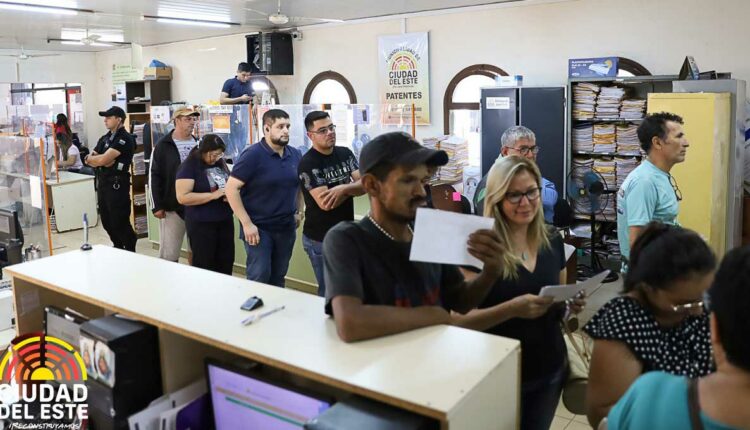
[659, 323]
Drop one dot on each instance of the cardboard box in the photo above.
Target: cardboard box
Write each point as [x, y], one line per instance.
[593, 67]
[157, 73]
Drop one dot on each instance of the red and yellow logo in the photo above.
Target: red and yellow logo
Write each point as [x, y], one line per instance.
[37, 357]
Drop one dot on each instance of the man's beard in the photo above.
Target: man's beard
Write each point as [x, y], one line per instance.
[279, 142]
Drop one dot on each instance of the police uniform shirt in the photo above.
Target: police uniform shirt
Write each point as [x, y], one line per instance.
[121, 141]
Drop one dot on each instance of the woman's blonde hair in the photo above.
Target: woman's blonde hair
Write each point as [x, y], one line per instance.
[498, 180]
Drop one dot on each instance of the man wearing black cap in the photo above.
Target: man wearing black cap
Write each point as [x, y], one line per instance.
[372, 289]
[111, 158]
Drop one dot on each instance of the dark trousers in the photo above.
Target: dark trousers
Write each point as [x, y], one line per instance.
[539, 399]
[212, 244]
[113, 195]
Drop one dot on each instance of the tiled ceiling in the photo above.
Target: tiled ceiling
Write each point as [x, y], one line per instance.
[121, 20]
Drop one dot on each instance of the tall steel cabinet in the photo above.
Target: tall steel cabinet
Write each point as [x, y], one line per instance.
[735, 173]
[542, 109]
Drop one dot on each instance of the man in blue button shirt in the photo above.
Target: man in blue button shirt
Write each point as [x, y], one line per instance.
[238, 91]
[520, 140]
[265, 196]
[650, 193]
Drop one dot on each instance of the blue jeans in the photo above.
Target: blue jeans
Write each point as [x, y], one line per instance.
[314, 250]
[268, 261]
[539, 399]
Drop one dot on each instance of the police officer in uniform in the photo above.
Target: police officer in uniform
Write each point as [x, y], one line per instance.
[111, 159]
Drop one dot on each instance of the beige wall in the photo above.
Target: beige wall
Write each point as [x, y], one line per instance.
[534, 40]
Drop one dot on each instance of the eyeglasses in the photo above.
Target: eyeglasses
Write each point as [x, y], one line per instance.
[676, 189]
[515, 196]
[688, 307]
[215, 155]
[325, 130]
[524, 150]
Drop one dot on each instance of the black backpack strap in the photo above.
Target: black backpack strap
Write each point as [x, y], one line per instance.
[694, 406]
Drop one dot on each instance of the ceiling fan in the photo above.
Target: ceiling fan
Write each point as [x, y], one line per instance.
[24, 56]
[88, 40]
[279, 18]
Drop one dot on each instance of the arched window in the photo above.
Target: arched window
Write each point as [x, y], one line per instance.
[627, 68]
[329, 88]
[262, 84]
[461, 104]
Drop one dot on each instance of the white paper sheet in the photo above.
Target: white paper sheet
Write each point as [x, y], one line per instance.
[569, 250]
[35, 185]
[564, 292]
[440, 237]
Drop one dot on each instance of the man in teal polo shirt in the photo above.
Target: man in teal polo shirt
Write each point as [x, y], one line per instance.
[650, 193]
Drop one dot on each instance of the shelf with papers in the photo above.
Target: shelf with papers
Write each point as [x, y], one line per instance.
[607, 154]
[607, 120]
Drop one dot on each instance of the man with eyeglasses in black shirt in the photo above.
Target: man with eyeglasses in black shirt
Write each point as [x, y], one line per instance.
[330, 178]
[519, 140]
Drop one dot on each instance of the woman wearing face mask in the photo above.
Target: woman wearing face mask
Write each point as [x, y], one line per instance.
[534, 258]
[659, 323]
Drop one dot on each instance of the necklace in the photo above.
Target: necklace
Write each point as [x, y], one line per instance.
[382, 230]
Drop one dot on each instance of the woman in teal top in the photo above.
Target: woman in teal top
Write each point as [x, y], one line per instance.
[658, 400]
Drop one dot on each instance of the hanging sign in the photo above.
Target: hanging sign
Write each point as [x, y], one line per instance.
[404, 69]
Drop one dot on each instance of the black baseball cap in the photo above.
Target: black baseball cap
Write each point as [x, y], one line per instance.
[399, 149]
[113, 111]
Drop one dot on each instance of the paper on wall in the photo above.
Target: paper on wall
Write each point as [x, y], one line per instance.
[441, 237]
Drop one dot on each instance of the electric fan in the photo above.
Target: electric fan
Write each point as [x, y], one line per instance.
[588, 193]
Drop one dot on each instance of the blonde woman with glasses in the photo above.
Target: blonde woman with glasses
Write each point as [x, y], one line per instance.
[533, 258]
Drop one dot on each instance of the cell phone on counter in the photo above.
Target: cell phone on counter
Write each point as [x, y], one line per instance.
[252, 303]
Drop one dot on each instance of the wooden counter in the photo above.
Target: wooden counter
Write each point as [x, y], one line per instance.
[462, 378]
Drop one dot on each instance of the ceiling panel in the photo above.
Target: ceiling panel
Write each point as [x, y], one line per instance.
[30, 30]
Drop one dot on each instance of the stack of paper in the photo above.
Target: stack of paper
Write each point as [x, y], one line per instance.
[139, 166]
[139, 199]
[583, 137]
[138, 131]
[584, 100]
[458, 157]
[606, 168]
[604, 138]
[627, 139]
[608, 103]
[141, 224]
[633, 109]
[581, 164]
[623, 167]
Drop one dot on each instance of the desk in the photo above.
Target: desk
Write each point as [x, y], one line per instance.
[71, 197]
[461, 378]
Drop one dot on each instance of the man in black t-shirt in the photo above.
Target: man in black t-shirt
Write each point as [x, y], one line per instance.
[373, 289]
[329, 175]
[112, 158]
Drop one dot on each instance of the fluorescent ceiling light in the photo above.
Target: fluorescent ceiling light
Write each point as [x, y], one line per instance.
[188, 21]
[40, 8]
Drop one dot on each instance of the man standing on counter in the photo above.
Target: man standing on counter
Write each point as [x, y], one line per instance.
[111, 158]
[238, 91]
[372, 289]
[329, 176]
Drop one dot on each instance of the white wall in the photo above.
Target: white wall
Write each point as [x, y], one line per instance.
[534, 40]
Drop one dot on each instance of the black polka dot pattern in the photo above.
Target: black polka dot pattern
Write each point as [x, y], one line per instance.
[681, 350]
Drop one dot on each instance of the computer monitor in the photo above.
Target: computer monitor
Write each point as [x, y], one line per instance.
[243, 400]
[10, 227]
